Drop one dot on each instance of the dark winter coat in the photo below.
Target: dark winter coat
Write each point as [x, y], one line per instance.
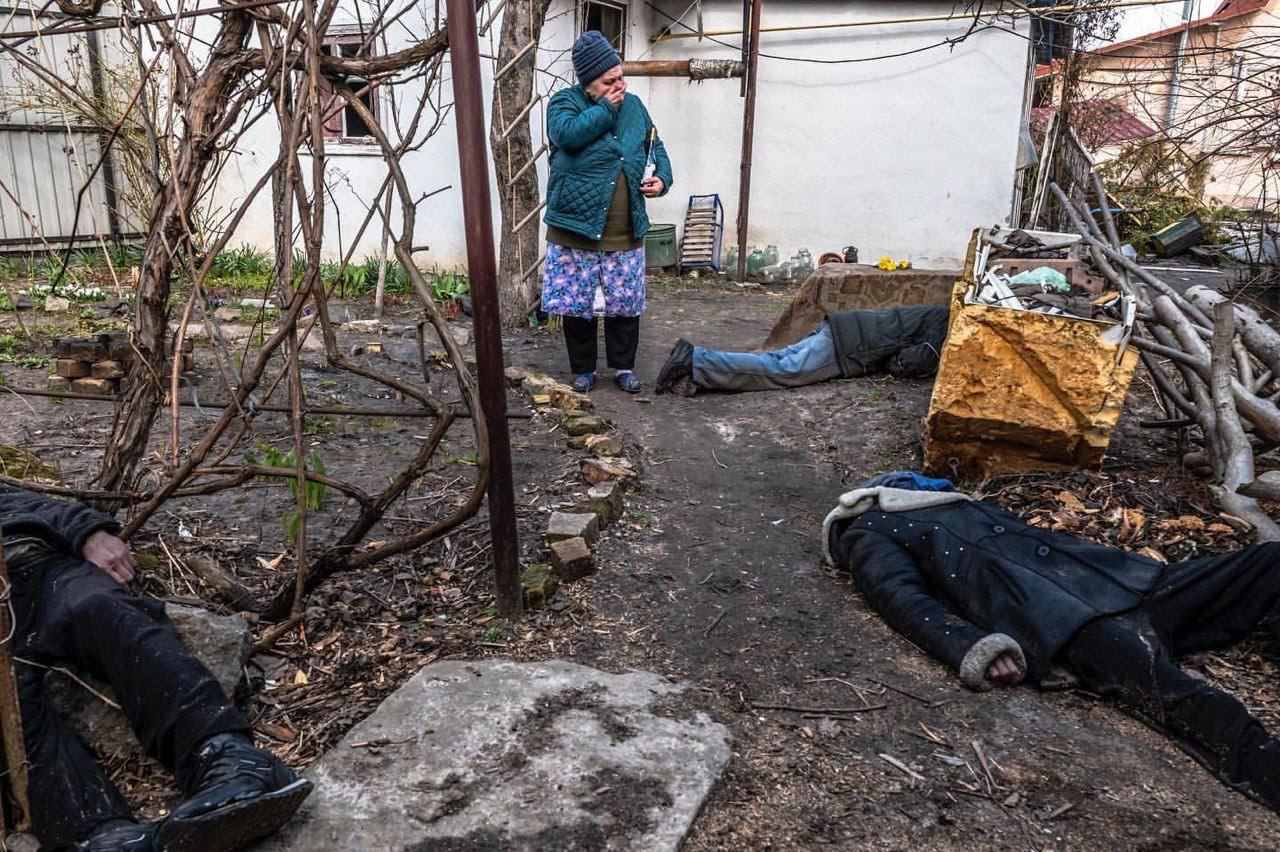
[906, 341]
[60, 524]
[951, 577]
[590, 144]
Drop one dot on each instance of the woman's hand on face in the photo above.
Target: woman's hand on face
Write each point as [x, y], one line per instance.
[614, 94]
[652, 187]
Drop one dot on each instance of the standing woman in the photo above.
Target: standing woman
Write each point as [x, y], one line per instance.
[606, 159]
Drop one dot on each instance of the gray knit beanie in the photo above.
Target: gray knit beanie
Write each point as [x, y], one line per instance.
[592, 56]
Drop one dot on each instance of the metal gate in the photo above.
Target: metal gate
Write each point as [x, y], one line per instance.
[45, 159]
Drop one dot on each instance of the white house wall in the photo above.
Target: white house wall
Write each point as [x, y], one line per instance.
[899, 156]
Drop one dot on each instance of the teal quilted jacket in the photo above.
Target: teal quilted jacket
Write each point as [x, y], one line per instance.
[590, 142]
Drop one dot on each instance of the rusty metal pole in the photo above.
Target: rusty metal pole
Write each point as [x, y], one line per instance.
[748, 138]
[15, 750]
[477, 211]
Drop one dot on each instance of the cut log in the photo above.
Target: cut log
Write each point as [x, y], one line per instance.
[1260, 339]
[1236, 455]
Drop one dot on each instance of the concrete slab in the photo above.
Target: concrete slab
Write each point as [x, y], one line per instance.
[496, 754]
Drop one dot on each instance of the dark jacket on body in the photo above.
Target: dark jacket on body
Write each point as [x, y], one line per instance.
[906, 341]
[951, 577]
[62, 525]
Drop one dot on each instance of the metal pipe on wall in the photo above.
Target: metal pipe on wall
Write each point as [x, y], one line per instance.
[473, 157]
[670, 68]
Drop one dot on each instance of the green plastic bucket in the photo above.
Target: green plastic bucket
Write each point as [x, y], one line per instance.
[660, 246]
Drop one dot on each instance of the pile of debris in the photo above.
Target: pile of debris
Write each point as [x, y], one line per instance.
[1025, 272]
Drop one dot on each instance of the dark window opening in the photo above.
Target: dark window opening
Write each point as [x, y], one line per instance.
[346, 122]
[610, 19]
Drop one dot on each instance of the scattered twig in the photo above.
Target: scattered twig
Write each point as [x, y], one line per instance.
[902, 767]
[712, 625]
[824, 711]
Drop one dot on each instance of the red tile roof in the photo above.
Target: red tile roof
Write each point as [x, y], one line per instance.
[1101, 121]
[1227, 10]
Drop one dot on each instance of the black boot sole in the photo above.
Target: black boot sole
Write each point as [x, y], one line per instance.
[236, 825]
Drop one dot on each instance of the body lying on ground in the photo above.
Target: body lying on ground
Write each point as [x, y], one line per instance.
[999, 601]
[68, 572]
[905, 342]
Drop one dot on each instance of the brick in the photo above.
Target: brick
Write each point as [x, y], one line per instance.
[59, 384]
[596, 471]
[569, 400]
[80, 348]
[610, 492]
[537, 383]
[604, 446]
[584, 424]
[605, 501]
[515, 375]
[70, 368]
[57, 304]
[571, 559]
[540, 585]
[562, 525]
[121, 350]
[107, 370]
[106, 387]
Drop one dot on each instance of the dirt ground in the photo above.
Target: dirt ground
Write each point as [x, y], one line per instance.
[723, 584]
[715, 576]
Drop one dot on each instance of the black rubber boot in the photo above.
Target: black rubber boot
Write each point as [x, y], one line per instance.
[241, 793]
[119, 835]
[679, 365]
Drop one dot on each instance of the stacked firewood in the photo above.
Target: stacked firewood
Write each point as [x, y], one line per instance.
[1214, 363]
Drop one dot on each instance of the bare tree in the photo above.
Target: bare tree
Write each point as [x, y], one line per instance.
[267, 61]
[514, 160]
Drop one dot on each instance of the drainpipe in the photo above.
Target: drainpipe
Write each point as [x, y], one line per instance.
[1175, 80]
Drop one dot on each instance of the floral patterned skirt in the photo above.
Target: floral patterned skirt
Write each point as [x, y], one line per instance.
[571, 276]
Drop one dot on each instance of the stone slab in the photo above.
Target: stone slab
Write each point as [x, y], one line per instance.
[850, 286]
[495, 754]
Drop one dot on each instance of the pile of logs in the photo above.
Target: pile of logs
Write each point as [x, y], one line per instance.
[1215, 365]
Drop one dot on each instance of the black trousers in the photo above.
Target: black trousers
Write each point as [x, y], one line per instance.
[1198, 605]
[621, 338]
[68, 611]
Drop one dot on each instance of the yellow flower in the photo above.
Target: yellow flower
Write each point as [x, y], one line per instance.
[887, 264]
[904, 264]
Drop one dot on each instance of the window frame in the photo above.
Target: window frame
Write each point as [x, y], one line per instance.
[621, 8]
[334, 40]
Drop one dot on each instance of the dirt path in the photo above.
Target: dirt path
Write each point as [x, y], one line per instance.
[719, 580]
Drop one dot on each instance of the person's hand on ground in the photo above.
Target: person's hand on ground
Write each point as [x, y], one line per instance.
[111, 555]
[1004, 670]
[651, 187]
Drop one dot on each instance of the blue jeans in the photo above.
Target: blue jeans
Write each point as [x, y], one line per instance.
[807, 362]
